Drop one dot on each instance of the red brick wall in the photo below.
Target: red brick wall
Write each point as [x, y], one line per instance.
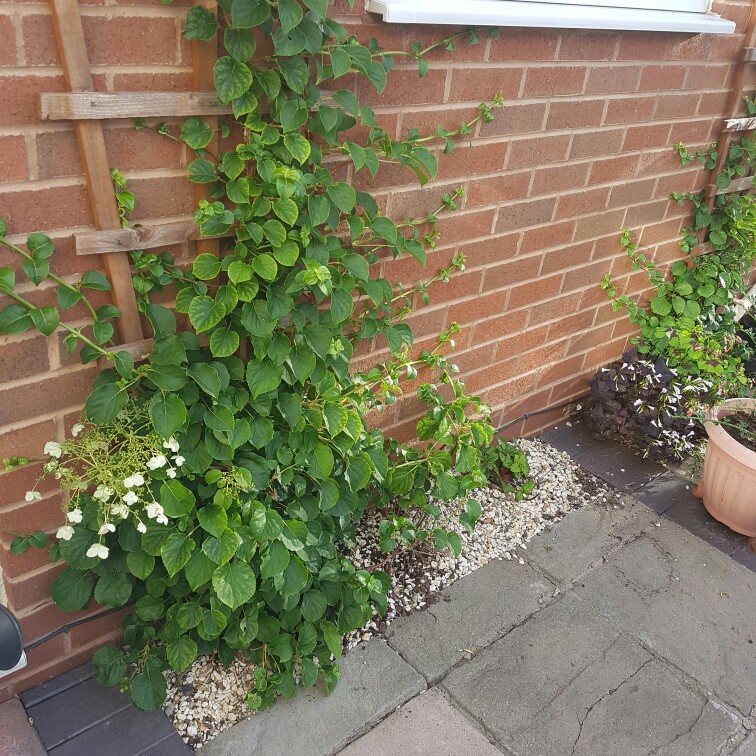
[581, 151]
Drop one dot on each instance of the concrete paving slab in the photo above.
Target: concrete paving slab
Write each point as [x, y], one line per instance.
[747, 747]
[470, 614]
[692, 515]
[17, 736]
[568, 682]
[426, 726]
[689, 602]
[374, 681]
[587, 536]
[664, 491]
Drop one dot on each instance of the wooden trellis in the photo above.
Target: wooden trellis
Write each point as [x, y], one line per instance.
[87, 110]
[734, 123]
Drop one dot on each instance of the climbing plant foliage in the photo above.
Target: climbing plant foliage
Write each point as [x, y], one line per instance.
[215, 487]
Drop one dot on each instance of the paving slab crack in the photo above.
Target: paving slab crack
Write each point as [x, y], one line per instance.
[610, 692]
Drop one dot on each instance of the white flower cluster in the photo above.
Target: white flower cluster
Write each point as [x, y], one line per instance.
[114, 504]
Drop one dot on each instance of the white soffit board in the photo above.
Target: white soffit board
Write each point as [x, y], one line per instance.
[570, 14]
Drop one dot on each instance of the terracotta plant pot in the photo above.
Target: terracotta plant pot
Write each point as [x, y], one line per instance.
[728, 485]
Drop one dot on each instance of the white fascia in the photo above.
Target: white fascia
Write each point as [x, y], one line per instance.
[549, 15]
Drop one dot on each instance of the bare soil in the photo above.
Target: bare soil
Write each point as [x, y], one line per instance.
[742, 427]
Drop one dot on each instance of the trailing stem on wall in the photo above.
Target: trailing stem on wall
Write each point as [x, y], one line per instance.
[214, 487]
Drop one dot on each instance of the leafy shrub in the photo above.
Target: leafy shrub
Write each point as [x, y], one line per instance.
[214, 486]
[507, 468]
[648, 404]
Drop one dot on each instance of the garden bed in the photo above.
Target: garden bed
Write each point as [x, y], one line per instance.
[209, 699]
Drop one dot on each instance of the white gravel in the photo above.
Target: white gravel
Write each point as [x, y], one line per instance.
[207, 699]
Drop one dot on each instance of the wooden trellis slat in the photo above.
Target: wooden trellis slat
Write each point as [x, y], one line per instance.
[139, 237]
[737, 185]
[734, 123]
[204, 54]
[739, 124]
[69, 34]
[77, 106]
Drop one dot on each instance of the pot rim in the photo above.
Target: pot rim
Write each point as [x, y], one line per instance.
[722, 438]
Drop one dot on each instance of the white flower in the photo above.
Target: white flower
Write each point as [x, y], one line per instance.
[171, 444]
[74, 516]
[161, 520]
[103, 493]
[33, 496]
[141, 527]
[65, 533]
[54, 449]
[121, 510]
[154, 510]
[78, 428]
[171, 472]
[98, 550]
[108, 527]
[137, 479]
[157, 462]
[131, 498]
[50, 466]
[179, 460]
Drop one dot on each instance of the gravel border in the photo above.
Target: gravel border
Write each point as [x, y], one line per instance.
[208, 699]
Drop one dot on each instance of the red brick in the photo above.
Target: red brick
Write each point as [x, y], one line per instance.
[511, 272]
[657, 78]
[19, 93]
[428, 34]
[496, 327]
[498, 189]
[524, 44]
[555, 308]
[588, 45]
[482, 84]
[581, 278]
[566, 257]
[58, 154]
[151, 41]
[488, 251]
[56, 207]
[613, 169]
[569, 326]
[612, 79]
[516, 119]
[13, 163]
[474, 359]
[534, 291]
[690, 132]
[40, 47]
[538, 151]
[157, 82]
[661, 232]
[560, 178]
[425, 121]
[417, 203]
[643, 46]
[649, 212]
[630, 110]
[460, 285]
[599, 225]
[459, 227]
[596, 143]
[553, 81]
[579, 203]
[589, 339]
[677, 106]
[511, 389]
[523, 214]
[658, 161]
[631, 193]
[27, 441]
[706, 77]
[574, 389]
[554, 234]
[648, 135]
[162, 197]
[22, 357]
[480, 308]
[49, 395]
[132, 150]
[32, 589]
[406, 88]
[714, 103]
[578, 114]
[472, 159]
